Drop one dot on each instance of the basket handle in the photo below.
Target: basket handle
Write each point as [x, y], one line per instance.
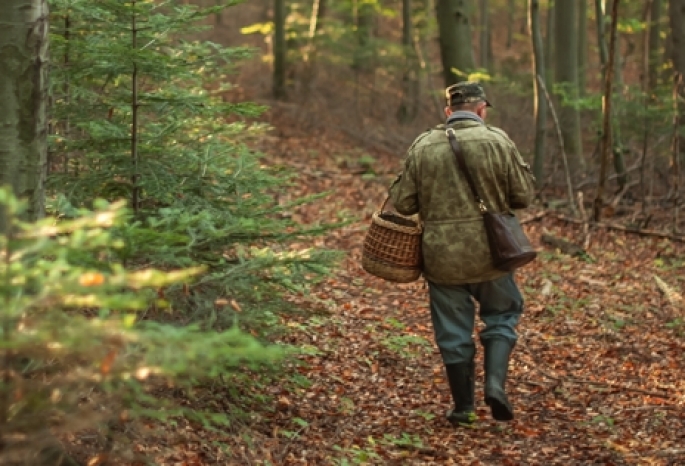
[384, 203]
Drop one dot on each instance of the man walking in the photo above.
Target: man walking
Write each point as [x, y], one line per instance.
[456, 257]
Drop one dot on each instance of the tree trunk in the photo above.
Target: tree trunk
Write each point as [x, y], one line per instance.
[566, 40]
[484, 48]
[540, 101]
[320, 13]
[23, 98]
[454, 29]
[676, 13]
[582, 46]
[280, 50]
[309, 52]
[604, 52]
[364, 57]
[549, 44]
[511, 10]
[601, 29]
[409, 106]
[606, 114]
[654, 56]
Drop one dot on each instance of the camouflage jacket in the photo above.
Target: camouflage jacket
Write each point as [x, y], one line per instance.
[455, 248]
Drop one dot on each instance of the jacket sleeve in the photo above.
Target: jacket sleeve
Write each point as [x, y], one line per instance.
[404, 191]
[521, 182]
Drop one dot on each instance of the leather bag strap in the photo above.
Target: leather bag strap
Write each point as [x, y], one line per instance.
[462, 164]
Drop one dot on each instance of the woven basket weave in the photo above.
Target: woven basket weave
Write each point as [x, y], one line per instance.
[392, 247]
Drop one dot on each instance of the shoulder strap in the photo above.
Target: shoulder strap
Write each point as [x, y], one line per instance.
[462, 164]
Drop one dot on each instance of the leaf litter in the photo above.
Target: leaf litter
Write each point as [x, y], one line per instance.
[597, 376]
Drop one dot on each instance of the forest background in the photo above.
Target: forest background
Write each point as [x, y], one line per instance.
[187, 193]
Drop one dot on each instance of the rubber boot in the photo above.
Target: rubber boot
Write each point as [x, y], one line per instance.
[497, 353]
[461, 378]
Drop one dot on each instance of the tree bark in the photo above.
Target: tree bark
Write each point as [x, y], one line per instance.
[582, 46]
[511, 11]
[365, 54]
[654, 57]
[318, 11]
[606, 114]
[322, 9]
[23, 99]
[540, 102]
[454, 29]
[566, 40]
[409, 105]
[484, 49]
[676, 13]
[549, 44]
[280, 50]
[601, 42]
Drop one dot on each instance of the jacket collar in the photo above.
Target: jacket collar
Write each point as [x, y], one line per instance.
[461, 116]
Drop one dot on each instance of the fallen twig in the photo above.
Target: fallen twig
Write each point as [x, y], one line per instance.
[625, 229]
[535, 217]
[610, 385]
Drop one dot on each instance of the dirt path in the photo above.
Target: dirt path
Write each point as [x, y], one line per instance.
[597, 377]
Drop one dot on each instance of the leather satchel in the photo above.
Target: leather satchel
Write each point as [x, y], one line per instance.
[510, 248]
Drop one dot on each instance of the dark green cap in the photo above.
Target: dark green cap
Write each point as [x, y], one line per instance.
[465, 92]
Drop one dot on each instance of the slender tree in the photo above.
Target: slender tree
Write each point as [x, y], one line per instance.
[606, 114]
[315, 19]
[654, 49]
[604, 52]
[365, 17]
[582, 45]
[410, 78]
[24, 86]
[566, 42]
[454, 27]
[549, 42]
[484, 35]
[318, 13]
[279, 50]
[601, 29]
[676, 13]
[511, 13]
[538, 73]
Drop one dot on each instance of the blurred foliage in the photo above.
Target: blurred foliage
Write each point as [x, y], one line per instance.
[77, 352]
[105, 302]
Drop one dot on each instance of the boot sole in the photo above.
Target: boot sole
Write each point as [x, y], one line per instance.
[500, 411]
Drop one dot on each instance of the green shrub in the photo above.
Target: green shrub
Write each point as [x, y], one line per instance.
[72, 332]
[179, 154]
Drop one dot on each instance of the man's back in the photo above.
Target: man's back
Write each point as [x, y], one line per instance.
[455, 247]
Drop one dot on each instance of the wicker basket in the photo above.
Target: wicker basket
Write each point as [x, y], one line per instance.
[392, 247]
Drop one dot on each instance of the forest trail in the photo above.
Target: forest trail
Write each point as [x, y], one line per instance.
[597, 376]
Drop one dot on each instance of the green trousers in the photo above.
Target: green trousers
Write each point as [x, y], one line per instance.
[453, 314]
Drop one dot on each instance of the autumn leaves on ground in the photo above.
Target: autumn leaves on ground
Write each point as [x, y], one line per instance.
[596, 376]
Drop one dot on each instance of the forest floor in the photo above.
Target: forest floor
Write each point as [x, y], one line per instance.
[596, 378]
